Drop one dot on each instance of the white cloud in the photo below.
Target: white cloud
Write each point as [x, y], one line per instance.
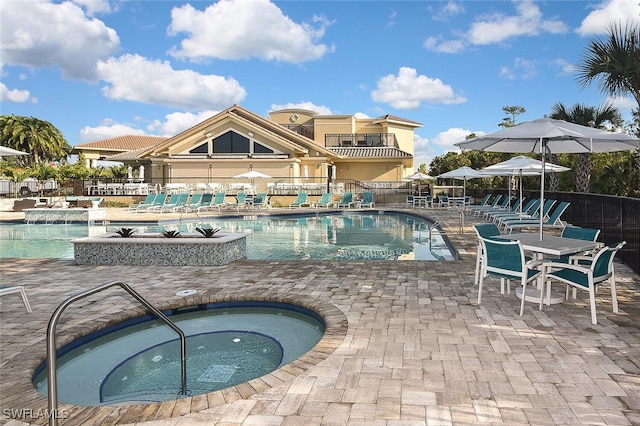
[624, 104]
[449, 10]
[452, 135]
[361, 115]
[522, 69]
[320, 109]
[94, 7]
[436, 44]
[13, 95]
[178, 121]
[565, 66]
[108, 130]
[408, 90]
[528, 21]
[138, 79]
[608, 12]
[237, 29]
[45, 34]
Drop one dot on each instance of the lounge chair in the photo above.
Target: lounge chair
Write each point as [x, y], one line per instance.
[17, 289]
[553, 221]
[260, 201]
[213, 201]
[301, 201]
[347, 200]
[515, 208]
[367, 200]
[532, 214]
[148, 201]
[477, 210]
[326, 200]
[241, 202]
[178, 204]
[194, 202]
[525, 212]
[157, 203]
[483, 202]
[502, 207]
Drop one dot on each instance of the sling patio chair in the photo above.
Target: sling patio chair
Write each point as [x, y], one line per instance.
[158, 201]
[146, 202]
[553, 220]
[326, 200]
[535, 216]
[367, 200]
[301, 201]
[524, 212]
[347, 200]
[505, 259]
[485, 230]
[598, 270]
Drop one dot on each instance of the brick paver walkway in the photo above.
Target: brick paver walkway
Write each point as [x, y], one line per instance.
[408, 345]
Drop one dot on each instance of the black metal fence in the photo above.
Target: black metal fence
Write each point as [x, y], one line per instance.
[618, 219]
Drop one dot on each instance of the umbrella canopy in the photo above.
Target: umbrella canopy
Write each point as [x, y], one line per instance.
[547, 135]
[521, 165]
[10, 152]
[419, 176]
[463, 173]
[251, 174]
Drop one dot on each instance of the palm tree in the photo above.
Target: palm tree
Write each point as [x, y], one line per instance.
[585, 116]
[614, 61]
[38, 137]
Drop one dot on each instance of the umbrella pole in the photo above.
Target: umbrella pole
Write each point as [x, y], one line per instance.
[542, 146]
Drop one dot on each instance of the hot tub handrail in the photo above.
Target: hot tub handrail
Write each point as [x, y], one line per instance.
[51, 341]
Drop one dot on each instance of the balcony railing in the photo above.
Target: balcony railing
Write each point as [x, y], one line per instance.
[362, 140]
[300, 129]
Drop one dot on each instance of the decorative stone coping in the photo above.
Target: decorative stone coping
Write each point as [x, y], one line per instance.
[52, 215]
[157, 250]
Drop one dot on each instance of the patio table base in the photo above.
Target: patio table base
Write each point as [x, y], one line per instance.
[533, 295]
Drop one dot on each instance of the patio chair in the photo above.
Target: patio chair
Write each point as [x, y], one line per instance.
[260, 201]
[443, 201]
[486, 230]
[215, 202]
[502, 208]
[241, 202]
[326, 200]
[552, 222]
[483, 202]
[178, 204]
[586, 277]
[410, 200]
[301, 201]
[347, 200]
[535, 215]
[17, 289]
[194, 202]
[148, 200]
[157, 203]
[367, 200]
[524, 212]
[477, 210]
[506, 260]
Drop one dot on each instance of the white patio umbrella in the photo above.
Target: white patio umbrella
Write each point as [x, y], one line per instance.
[547, 135]
[252, 175]
[10, 152]
[419, 176]
[141, 173]
[521, 165]
[463, 173]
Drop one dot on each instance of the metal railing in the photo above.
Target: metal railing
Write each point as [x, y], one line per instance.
[52, 387]
[363, 140]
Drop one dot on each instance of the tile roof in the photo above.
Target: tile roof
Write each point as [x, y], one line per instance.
[371, 152]
[123, 143]
[126, 155]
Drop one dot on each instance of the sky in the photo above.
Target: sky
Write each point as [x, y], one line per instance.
[97, 69]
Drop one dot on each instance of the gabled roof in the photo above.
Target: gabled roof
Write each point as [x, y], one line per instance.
[285, 136]
[373, 152]
[122, 143]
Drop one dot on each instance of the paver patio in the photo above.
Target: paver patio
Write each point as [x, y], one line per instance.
[411, 345]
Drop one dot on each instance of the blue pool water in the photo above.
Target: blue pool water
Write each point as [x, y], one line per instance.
[345, 236]
[227, 344]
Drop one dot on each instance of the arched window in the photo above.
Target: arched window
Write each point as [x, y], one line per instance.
[231, 143]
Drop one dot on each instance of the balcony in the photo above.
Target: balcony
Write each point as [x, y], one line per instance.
[360, 140]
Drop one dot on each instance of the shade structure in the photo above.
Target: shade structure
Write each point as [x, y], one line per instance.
[521, 165]
[419, 176]
[546, 136]
[463, 173]
[10, 152]
[252, 174]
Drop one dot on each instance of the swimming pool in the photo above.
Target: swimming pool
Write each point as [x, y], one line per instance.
[139, 361]
[323, 236]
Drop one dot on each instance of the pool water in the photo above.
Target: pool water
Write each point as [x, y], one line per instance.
[227, 344]
[346, 236]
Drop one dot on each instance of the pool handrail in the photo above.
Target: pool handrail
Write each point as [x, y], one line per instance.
[52, 390]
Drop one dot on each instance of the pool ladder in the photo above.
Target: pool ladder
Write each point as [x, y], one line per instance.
[51, 342]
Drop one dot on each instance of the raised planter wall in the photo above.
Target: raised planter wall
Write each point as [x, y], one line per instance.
[156, 250]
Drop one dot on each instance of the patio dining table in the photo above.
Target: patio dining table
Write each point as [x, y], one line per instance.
[552, 246]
